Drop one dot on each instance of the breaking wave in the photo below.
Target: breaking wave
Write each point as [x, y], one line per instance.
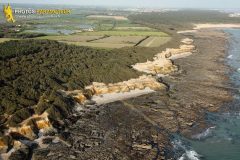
[238, 70]
[230, 56]
[189, 154]
[207, 133]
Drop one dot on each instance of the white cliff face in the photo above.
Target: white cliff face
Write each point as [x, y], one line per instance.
[159, 65]
[138, 86]
[162, 63]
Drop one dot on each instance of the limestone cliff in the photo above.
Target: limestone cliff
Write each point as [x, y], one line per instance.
[101, 88]
[162, 63]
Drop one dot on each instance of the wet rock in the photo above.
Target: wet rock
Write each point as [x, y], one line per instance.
[39, 154]
[72, 157]
[47, 140]
[20, 154]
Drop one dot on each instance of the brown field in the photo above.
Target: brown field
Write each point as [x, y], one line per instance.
[121, 39]
[154, 41]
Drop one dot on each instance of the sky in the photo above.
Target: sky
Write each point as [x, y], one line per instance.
[229, 4]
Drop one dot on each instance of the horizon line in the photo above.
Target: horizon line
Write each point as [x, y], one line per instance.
[121, 6]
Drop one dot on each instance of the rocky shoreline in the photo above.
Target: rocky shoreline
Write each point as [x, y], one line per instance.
[141, 127]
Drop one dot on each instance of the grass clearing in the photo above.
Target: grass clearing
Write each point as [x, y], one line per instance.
[121, 39]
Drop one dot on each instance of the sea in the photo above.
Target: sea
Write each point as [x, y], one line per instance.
[221, 141]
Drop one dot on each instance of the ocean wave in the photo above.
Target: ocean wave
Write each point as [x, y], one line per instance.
[207, 133]
[189, 153]
[230, 56]
[238, 70]
[235, 115]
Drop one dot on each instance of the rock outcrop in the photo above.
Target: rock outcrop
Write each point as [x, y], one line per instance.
[158, 66]
[162, 63]
[30, 127]
[98, 89]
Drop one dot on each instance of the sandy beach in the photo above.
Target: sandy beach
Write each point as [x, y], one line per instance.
[215, 26]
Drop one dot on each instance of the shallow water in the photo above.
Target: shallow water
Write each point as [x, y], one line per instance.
[222, 140]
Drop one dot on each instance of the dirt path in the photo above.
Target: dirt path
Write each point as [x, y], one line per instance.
[149, 43]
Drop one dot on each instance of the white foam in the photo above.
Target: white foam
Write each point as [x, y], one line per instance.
[204, 134]
[190, 155]
[230, 56]
[238, 70]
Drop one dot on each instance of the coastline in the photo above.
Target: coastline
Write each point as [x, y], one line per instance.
[143, 127]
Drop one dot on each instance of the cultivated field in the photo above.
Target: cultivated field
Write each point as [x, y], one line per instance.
[121, 39]
[154, 41]
[113, 39]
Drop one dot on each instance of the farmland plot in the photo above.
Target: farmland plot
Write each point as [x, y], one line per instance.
[121, 39]
[154, 41]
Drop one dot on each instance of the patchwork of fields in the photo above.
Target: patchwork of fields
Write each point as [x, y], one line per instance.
[114, 39]
[97, 30]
